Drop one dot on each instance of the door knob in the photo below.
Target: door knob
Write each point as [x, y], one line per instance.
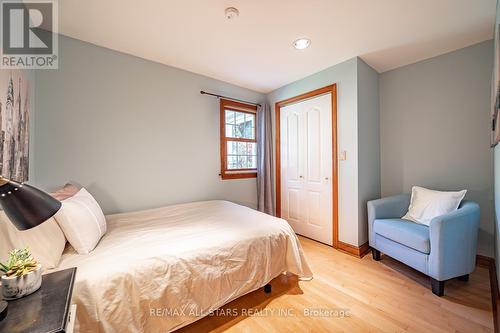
[301, 177]
[326, 178]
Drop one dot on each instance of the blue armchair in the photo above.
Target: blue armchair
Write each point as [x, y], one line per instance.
[444, 250]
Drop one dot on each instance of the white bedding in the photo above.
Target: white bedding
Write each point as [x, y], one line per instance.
[161, 269]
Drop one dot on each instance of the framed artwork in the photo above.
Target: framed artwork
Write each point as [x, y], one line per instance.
[14, 124]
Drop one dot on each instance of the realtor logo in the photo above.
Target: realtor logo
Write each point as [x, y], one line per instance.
[29, 34]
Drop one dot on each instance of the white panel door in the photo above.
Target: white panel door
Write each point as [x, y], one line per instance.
[306, 167]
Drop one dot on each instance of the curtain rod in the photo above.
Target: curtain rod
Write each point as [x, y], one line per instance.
[225, 97]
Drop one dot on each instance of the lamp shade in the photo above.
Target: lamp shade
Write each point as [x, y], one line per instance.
[25, 205]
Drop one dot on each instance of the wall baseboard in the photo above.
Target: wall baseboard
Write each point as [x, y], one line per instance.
[489, 263]
[358, 251]
[484, 261]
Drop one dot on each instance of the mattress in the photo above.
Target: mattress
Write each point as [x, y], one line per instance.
[161, 269]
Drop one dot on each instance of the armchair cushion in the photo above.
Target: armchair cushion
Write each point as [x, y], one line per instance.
[407, 233]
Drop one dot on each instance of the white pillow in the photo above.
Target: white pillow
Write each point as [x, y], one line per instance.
[427, 204]
[45, 241]
[82, 221]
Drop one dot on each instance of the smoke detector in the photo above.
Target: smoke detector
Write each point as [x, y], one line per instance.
[231, 13]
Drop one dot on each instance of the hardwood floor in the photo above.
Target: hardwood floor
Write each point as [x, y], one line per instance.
[384, 296]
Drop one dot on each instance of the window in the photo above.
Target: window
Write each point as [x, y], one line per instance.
[237, 139]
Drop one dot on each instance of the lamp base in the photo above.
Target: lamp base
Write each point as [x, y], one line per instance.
[3, 309]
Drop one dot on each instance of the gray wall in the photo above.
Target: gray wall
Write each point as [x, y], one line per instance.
[368, 143]
[138, 134]
[435, 129]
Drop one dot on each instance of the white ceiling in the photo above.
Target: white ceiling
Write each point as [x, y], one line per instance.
[255, 50]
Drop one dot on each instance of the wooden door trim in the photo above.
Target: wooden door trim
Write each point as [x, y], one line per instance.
[328, 89]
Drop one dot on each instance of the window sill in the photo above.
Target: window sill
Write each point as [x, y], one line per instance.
[238, 175]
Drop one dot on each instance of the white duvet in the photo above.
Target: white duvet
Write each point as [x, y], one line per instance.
[161, 269]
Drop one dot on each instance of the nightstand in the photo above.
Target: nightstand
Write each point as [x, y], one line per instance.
[47, 310]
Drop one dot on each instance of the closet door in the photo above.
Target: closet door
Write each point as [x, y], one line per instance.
[306, 166]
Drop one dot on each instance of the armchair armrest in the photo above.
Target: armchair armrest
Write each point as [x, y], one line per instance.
[389, 207]
[453, 239]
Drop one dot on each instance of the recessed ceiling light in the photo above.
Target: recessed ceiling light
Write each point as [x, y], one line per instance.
[302, 43]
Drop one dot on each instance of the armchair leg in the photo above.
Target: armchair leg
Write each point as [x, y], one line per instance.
[437, 287]
[464, 278]
[376, 255]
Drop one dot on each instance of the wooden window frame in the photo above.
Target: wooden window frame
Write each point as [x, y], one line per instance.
[238, 107]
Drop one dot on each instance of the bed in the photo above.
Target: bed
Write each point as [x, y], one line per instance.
[159, 270]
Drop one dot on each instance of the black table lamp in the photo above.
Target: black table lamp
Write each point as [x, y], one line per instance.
[26, 207]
